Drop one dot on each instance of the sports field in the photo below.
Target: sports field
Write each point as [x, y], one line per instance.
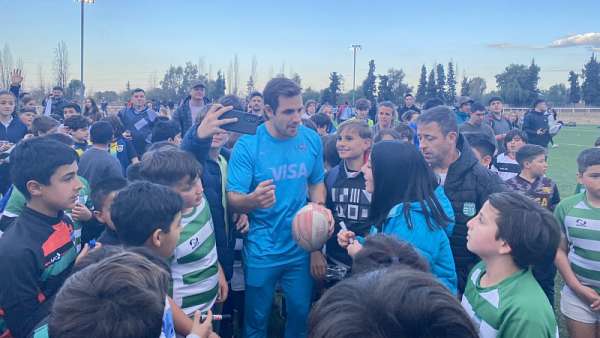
[562, 166]
[562, 169]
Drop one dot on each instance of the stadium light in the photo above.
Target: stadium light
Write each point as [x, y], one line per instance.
[355, 47]
[83, 3]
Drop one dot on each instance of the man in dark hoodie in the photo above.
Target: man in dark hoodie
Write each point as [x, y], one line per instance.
[187, 113]
[466, 183]
[138, 120]
[535, 124]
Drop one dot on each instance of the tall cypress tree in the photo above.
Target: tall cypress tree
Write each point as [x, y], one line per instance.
[531, 83]
[422, 88]
[441, 82]
[591, 82]
[464, 87]
[574, 89]
[431, 85]
[451, 82]
[368, 85]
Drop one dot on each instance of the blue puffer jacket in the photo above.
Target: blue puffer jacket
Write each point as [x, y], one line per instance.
[433, 245]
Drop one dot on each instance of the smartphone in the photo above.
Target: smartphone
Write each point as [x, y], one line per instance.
[246, 123]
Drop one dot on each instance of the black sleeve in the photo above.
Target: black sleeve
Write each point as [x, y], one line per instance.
[130, 149]
[5, 221]
[198, 147]
[555, 199]
[490, 183]
[19, 293]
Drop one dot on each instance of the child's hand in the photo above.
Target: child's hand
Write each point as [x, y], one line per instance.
[354, 248]
[4, 146]
[223, 287]
[242, 224]
[318, 265]
[81, 213]
[86, 249]
[589, 296]
[211, 124]
[345, 238]
[204, 329]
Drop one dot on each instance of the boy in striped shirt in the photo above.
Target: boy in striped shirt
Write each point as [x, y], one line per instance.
[510, 234]
[198, 279]
[578, 257]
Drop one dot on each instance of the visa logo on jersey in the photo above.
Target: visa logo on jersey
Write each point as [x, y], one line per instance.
[289, 171]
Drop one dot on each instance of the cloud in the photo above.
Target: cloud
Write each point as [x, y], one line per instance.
[585, 39]
[590, 40]
[506, 45]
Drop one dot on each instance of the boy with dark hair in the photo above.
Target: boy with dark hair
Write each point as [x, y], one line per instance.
[26, 115]
[84, 228]
[381, 251]
[505, 164]
[346, 194]
[532, 180]
[196, 252]
[154, 223]
[323, 123]
[363, 106]
[510, 234]
[78, 128]
[391, 302]
[71, 109]
[44, 125]
[108, 286]
[576, 260]
[482, 148]
[166, 131]
[103, 194]
[122, 295]
[533, 183]
[37, 251]
[407, 134]
[120, 147]
[97, 163]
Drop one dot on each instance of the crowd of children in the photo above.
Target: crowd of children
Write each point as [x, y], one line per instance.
[443, 223]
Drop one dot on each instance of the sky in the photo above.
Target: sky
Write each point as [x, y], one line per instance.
[137, 40]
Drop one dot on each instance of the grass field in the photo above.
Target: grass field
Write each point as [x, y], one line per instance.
[562, 168]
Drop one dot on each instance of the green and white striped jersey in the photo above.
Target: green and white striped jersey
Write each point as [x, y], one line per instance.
[516, 307]
[581, 225]
[194, 267]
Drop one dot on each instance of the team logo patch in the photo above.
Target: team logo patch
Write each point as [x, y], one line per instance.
[469, 209]
[120, 148]
[301, 147]
[580, 222]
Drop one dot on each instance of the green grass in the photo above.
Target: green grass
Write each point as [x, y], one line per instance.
[562, 168]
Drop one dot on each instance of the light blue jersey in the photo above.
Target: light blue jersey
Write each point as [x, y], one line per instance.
[292, 164]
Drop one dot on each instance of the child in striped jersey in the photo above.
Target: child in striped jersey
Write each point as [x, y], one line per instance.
[510, 234]
[577, 259]
[198, 279]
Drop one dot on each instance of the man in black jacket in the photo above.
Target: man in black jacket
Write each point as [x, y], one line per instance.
[187, 113]
[466, 183]
[535, 124]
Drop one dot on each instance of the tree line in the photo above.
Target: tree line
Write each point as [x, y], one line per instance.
[517, 84]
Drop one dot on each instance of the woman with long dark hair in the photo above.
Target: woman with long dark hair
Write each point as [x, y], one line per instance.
[91, 111]
[408, 203]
